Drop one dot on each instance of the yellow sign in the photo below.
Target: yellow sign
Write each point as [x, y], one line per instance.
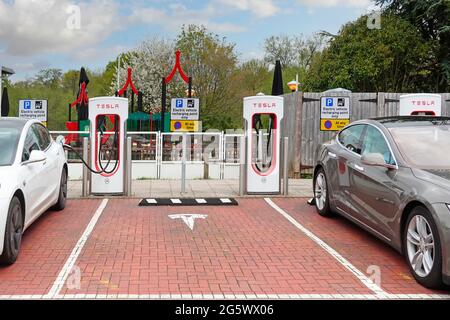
[333, 124]
[184, 126]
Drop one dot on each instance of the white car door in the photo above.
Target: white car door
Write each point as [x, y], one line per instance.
[51, 164]
[31, 176]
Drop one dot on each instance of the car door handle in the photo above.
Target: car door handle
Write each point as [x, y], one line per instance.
[359, 168]
[332, 155]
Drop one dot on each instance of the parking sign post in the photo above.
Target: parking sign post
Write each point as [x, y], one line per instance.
[183, 165]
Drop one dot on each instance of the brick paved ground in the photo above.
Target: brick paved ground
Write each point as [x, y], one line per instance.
[245, 249]
[45, 247]
[358, 246]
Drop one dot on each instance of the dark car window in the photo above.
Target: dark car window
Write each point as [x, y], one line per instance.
[374, 142]
[350, 137]
[42, 135]
[31, 143]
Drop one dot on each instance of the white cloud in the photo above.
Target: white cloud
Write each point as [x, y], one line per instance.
[259, 8]
[179, 14]
[335, 3]
[29, 27]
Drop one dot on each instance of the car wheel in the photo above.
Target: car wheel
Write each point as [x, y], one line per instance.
[422, 248]
[13, 233]
[321, 194]
[62, 197]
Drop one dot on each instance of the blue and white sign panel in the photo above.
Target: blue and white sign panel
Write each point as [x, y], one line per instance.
[185, 109]
[33, 110]
[334, 113]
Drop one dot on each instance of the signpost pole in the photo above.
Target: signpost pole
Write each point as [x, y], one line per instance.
[163, 104]
[183, 164]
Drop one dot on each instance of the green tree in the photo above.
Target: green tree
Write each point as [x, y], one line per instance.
[391, 59]
[212, 62]
[432, 19]
[49, 77]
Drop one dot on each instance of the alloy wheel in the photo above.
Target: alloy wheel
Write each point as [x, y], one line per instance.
[16, 228]
[420, 246]
[320, 191]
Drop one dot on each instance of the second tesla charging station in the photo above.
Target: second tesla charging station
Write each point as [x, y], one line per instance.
[263, 144]
[420, 104]
[107, 116]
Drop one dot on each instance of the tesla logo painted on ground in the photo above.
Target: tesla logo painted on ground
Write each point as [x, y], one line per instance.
[189, 219]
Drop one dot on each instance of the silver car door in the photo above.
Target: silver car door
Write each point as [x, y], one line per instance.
[348, 153]
[375, 190]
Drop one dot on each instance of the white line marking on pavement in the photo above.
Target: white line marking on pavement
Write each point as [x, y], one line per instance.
[360, 275]
[70, 262]
[220, 296]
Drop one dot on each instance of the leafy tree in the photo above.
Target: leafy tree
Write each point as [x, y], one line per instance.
[393, 59]
[70, 81]
[432, 19]
[49, 77]
[281, 48]
[294, 51]
[151, 61]
[212, 63]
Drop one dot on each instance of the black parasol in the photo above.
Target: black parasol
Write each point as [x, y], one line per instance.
[277, 85]
[5, 103]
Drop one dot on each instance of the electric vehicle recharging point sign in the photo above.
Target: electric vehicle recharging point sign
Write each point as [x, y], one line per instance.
[34, 110]
[334, 113]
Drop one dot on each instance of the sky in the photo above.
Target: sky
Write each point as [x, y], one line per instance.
[68, 34]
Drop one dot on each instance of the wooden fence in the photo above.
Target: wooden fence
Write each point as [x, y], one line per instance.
[301, 121]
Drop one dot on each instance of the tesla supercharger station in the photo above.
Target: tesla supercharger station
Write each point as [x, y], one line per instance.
[420, 104]
[107, 144]
[263, 145]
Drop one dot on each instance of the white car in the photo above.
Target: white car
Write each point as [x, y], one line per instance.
[33, 178]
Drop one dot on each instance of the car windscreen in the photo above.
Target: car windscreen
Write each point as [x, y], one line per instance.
[9, 138]
[424, 147]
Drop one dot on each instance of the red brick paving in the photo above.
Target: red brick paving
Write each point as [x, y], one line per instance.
[357, 246]
[245, 249]
[249, 249]
[46, 245]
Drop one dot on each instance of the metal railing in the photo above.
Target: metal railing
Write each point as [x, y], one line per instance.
[167, 148]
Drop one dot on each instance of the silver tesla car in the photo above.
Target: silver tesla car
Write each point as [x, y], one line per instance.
[391, 176]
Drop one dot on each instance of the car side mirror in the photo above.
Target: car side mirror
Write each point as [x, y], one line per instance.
[36, 156]
[376, 160]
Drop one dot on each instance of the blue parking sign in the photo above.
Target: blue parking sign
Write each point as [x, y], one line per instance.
[179, 103]
[27, 105]
[329, 102]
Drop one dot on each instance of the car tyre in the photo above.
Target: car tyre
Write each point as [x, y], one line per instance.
[422, 247]
[62, 197]
[321, 194]
[13, 233]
